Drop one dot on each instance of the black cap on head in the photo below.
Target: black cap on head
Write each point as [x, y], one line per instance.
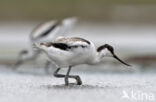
[111, 49]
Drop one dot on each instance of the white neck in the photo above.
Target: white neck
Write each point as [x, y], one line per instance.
[96, 58]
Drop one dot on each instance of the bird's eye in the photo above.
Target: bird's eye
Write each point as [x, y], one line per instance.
[110, 48]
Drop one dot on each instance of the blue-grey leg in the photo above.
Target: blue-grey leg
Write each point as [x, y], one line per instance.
[78, 79]
[47, 66]
[67, 76]
[28, 57]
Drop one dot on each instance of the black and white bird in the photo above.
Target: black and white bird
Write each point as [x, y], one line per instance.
[69, 52]
[44, 32]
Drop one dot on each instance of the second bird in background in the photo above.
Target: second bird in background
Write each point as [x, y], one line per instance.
[44, 32]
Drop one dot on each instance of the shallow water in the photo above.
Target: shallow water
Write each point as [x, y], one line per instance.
[17, 87]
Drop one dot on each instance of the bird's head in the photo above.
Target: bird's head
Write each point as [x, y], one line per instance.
[108, 51]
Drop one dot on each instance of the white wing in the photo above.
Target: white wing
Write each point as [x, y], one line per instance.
[65, 27]
[50, 30]
[39, 31]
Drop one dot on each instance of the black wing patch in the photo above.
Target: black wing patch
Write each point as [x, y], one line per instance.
[81, 39]
[66, 47]
[48, 30]
[61, 46]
